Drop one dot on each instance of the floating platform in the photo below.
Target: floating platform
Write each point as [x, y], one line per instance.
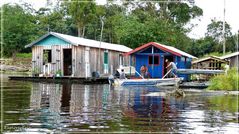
[194, 84]
[91, 80]
[81, 80]
[199, 71]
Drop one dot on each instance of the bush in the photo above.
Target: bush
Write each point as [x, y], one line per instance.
[225, 82]
[24, 55]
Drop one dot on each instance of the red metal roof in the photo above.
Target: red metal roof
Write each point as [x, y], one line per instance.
[162, 47]
[153, 44]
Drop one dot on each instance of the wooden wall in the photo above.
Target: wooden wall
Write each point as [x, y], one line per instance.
[37, 57]
[233, 61]
[57, 56]
[78, 61]
[96, 60]
[209, 64]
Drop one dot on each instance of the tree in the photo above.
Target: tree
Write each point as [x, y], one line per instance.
[82, 13]
[52, 20]
[19, 27]
[145, 23]
[202, 46]
[215, 30]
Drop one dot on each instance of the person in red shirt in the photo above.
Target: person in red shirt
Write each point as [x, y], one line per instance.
[144, 71]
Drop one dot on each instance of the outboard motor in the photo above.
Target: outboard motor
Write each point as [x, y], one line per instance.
[111, 79]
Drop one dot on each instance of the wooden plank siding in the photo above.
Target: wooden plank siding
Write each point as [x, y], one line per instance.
[78, 61]
[37, 57]
[96, 60]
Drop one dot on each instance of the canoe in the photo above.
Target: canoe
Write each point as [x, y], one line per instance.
[146, 82]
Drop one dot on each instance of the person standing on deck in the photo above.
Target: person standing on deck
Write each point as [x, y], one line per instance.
[167, 69]
[143, 71]
[173, 67]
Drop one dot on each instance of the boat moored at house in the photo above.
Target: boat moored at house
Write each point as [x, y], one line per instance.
[56, 53]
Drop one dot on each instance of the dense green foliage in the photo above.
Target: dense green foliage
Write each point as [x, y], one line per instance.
[131, 23]
[24, 55]
[18, 29]
[225, 82]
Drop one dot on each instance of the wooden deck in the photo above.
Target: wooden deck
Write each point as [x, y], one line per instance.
[81, 80]
[91, 80]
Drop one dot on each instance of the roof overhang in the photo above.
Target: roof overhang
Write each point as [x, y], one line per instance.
[45, 36]
[229, 55]
[155, 45]
[209, 58]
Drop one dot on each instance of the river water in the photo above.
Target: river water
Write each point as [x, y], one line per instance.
[76, 108]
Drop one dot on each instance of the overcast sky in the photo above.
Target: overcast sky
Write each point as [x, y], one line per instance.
[212, 9]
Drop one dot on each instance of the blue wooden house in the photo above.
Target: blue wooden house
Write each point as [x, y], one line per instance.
[153, 55]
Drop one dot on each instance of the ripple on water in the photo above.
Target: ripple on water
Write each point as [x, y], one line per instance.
[76, 108]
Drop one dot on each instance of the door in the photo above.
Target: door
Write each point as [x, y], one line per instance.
[170, 58]
[87, 62]
[106, 62]
[154, 66]
[67, 62]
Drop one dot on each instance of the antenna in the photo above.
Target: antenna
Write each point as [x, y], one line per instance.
[101, 33]
[223, 31]
[48, 28]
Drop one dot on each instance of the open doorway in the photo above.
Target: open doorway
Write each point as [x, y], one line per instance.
[67, 62]
[170, 58]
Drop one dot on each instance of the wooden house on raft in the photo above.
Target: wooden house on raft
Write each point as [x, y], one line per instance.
[232, 58]
[75, 56]
[210, 63]
[153, 55]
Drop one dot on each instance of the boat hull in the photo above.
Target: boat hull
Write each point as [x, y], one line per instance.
[145, 82]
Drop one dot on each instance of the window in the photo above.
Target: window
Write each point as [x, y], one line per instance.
[153, 60]
[47, 56]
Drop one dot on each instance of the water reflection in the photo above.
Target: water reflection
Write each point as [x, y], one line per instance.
[73, 108]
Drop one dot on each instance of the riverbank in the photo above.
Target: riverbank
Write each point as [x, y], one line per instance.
[15, 65]
[225, 82]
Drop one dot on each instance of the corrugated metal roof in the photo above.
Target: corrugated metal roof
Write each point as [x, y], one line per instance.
[229, 55]
[207, 58]
[165, 48]
[178, 51]
[85, 42]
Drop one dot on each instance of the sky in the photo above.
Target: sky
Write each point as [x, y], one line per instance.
[212, 9]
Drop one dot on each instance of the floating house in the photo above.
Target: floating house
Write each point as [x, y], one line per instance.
[153, 55]
[232, 58]
[211, 63]
[75, 56]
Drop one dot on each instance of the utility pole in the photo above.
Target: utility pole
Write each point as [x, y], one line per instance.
[223, 30]
[101, 33]
[237, 41]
